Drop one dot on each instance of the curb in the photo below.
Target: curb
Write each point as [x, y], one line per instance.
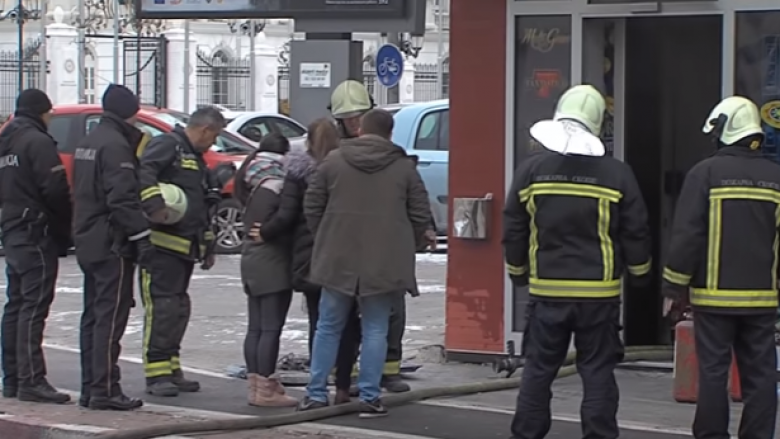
[23, 427]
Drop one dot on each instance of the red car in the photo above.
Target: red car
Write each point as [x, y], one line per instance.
[72, 122]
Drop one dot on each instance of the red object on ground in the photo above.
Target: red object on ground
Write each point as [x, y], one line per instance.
[735, 388]
[686, 367]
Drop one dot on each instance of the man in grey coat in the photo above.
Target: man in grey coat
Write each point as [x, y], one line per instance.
[368, 210]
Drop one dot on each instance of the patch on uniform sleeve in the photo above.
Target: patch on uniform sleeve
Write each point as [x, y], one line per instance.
[127, 165]
[58, 168]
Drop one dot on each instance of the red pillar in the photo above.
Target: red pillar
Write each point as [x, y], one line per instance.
[475, 273]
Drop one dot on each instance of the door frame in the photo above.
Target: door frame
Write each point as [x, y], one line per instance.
[579, 10]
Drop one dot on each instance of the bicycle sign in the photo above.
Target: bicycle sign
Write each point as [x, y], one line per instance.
[389, 65]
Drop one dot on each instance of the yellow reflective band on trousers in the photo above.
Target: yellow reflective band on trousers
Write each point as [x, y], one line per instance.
[717, 196]
[514, 270]
[158, 368]
[734, 298]
[676, 278]
[175, 363]
[641, 269]
[604, 196]
[171, 242]
[575, 289]
[391, 368]
[150, 192]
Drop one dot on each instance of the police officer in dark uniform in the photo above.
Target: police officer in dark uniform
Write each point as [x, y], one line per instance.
[723, 257]
[176, 158]
[35, 222]
[574, 224]
[111, 233]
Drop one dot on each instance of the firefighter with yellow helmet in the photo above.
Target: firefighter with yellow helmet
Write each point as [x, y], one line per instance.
[574, 224]
[349, 101]
[178, 192]
[723, 260]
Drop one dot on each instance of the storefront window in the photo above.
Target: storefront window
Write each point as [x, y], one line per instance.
[542, 70]
[757, 74]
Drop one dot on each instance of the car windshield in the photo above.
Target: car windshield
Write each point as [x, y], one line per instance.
[227, 143]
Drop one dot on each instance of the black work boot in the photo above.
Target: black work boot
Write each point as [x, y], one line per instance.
[84, 401]
[183, 384]
[119, 402]
[10, 389]
[394, 384]
[42, 392]
[162, 387]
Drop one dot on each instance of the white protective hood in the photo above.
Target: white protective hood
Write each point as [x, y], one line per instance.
[567, 137]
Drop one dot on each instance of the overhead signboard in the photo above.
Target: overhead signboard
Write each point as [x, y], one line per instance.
[631, 2]
[258, 9]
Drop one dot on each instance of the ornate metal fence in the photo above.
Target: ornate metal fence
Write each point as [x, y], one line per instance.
[223, 81]
[144, 68]
[9, 74]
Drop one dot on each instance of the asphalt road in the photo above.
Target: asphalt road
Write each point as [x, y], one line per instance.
[228, 396]
[215, 334]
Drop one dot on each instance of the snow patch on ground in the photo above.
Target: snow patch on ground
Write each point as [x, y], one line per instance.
[432, 258]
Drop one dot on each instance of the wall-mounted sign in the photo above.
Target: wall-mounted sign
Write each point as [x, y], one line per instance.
[321, 9]
[315, 75]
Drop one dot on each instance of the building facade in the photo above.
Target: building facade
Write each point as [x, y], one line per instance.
[662, 65]
[219, 53]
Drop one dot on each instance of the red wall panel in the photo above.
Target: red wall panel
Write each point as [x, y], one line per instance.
[475, 273]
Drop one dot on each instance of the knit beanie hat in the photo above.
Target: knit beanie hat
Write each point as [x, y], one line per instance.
[33, 101]
[120, 101]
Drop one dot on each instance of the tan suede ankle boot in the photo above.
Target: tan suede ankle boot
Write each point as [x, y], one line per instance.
[268, 396]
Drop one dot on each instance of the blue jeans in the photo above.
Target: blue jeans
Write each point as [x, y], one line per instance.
[374, 323]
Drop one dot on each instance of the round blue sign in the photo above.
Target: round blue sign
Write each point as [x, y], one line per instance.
[389, 65]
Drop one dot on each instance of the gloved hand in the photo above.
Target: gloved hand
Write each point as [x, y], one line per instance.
[145, 251]
[519, 281]
[676, 300]
[213, 197]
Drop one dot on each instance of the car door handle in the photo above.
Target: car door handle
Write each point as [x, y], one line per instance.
[423, 163]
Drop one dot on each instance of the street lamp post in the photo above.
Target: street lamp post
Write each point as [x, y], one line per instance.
[250, 28]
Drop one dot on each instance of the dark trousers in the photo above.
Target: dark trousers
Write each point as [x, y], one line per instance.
[108, 298]
[167, 307]
[267, 314]
[549, 327]
[31, 270]
[752, 339]
[395, 336]
[350, 340]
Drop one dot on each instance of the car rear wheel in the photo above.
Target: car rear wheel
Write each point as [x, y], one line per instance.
[230, 227]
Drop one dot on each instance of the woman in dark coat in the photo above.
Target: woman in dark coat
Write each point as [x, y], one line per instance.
[265, 269]
[300, 166]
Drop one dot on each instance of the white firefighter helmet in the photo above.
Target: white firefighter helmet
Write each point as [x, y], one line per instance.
[350, 99]
[175, 202]
[584, 104]
[733, 119]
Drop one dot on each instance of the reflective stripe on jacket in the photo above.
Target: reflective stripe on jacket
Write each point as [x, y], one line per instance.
[574, 225]
[724, 243]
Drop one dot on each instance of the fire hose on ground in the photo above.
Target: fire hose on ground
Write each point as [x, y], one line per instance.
[635, 353]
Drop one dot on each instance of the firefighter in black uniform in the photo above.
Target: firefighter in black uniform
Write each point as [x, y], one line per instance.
[176, 158]
[723, 258]
[574, 224]
[35, 222]
[110, 233]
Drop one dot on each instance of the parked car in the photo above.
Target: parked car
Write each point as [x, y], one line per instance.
[72, 122]
[423, 129]
[255, 125]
